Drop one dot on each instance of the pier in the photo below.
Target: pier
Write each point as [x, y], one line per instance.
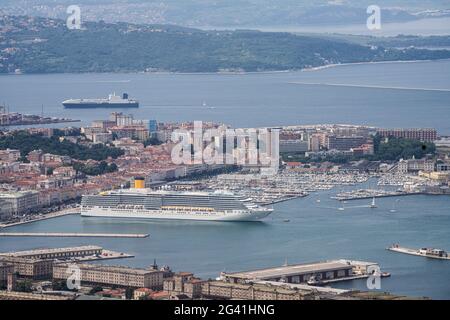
[73, 235]
[47, 216]
[316, 273]
[81, 253]
[370, 194]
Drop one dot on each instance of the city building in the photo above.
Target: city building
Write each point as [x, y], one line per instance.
[123, 120]
[253, 291]
[184, 283]
[293, 146]
[21, 202]
[113, 275]
[102, 137]
[9, 155]
[103, 124]
[5, 269]
[139, 293]
[444, 166]
[35, 156]
[415, 165]
[57, 253]
[6, 210]
[299, 273]
[343, 143]
[89, 132]
[422, 134]
[152, 126]
[30, 268]
[314, 143]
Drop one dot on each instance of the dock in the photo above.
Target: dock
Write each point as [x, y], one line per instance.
[52, 215]
[366, 194]
[416, 252]
[73, 235]
[324, 272]
[79, 254]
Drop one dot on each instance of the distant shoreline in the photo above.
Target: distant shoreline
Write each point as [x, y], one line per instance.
[309, 69]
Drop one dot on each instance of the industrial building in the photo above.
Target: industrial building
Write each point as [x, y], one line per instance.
[299, 273]
[57, 253]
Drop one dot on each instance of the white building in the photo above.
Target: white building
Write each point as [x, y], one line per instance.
[21, 202]
[415, 165]
[9, 155]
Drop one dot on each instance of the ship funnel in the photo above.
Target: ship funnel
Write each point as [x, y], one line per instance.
[139, 183]
[125, 96]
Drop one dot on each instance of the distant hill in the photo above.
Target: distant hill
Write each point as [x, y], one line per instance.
[41, 45]
[231, 13]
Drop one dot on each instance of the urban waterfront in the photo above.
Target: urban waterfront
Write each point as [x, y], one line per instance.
[365, 94]
[316, 231]
[301, 230]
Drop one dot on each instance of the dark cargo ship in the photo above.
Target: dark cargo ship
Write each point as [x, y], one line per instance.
[112, 101]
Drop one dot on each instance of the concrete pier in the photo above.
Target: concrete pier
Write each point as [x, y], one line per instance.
[71, 235]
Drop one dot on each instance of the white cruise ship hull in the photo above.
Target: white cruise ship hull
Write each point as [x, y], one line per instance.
[234, 215]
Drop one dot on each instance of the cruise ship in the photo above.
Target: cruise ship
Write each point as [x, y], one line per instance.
[112, 101]
[140, 202]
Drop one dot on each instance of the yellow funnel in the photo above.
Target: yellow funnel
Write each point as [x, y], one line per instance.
[139, 183]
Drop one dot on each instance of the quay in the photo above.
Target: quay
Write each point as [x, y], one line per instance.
[42, 217]
[424, 252]
[316, 273]
[81, 253]
[73, 235]
[355, 195]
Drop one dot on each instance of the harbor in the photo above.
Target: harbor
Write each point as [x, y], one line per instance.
[314, 233]
[268, 190]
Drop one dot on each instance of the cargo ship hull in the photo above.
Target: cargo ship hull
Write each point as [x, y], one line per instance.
[99, 105]
[143, 203]
[175, 215]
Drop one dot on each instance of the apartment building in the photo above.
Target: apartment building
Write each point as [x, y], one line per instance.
[113, 275]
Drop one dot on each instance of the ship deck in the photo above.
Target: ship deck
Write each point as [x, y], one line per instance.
[415, 252]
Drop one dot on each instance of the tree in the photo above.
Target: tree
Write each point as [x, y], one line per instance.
[25, 286]
[129, 292]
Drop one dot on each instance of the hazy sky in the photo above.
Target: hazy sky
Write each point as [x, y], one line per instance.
[237, 13]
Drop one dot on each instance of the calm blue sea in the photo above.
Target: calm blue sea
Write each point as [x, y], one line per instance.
[316, 232]
[406, 95]
[364, 94]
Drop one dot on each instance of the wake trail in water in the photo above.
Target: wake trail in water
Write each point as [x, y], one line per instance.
[368, 86]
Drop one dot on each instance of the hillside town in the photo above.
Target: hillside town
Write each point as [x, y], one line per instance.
[116, 150]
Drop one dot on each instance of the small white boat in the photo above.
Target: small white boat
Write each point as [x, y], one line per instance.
[373, 205]
[314, 281]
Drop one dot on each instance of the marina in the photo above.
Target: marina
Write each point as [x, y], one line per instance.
[286, 185]
[370, 194]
